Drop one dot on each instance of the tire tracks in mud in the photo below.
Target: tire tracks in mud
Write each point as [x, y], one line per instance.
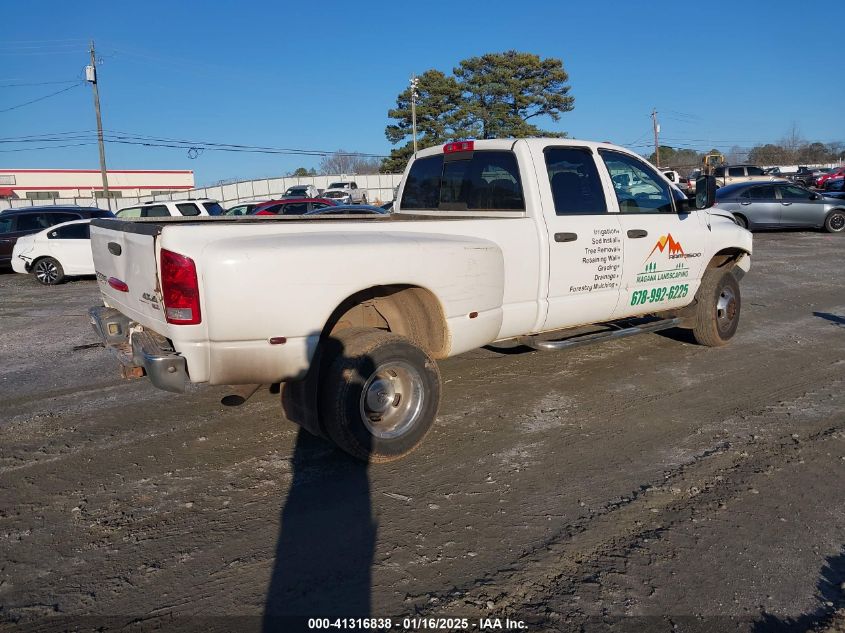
[704, 486]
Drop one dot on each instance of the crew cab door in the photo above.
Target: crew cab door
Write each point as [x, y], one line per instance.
[663, 241]
[585, 245]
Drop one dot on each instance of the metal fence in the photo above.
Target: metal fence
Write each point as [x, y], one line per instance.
[379, 188]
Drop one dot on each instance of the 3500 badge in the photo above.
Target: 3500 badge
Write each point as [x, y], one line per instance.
[656, 295]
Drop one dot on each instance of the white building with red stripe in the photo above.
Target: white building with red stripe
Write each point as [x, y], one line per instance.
[48, 184]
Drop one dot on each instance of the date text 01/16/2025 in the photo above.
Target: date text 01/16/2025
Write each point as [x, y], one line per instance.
[420, 623]
[656, 295]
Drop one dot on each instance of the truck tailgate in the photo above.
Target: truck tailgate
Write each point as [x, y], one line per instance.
[125, 252]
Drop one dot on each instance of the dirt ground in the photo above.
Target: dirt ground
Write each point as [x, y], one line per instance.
[645, 484]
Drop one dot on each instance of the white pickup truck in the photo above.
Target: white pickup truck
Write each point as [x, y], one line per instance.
[493, 240]
[345, 192]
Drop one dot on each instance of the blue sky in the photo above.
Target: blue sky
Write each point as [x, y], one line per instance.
[322, 75]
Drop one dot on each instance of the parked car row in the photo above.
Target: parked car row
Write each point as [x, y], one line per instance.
[52, 242]
[816, 177]
[18, 223]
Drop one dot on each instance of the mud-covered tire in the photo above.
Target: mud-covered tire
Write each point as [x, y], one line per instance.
[48, 271]
[717, 308]
[835, 221]
[379, 394]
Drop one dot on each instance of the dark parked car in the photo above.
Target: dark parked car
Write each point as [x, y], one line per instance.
[834, 184]
[349, 209]
[805, 176]
[758, 205]
[834, 189]
[298, 206]
[15, 223]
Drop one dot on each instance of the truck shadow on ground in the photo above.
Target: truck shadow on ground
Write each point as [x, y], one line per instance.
[829, 588]
[327, 536]
[833, 318]
[325, 548]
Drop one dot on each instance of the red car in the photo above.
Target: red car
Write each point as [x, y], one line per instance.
[836, 173]
[292, 206]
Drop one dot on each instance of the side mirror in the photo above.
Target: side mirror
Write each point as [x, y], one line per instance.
[705, 192]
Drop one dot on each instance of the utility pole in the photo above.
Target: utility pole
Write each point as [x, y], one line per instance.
[91, 77]
[656, 127]
[414, 83]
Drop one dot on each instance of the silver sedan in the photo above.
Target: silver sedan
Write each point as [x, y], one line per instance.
[781, 205]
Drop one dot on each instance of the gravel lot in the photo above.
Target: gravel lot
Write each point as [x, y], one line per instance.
[643, 484]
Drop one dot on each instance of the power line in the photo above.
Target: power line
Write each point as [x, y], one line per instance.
[52, 94]
[72, 39]
[38, 83]
[33, 149]
[127, 138]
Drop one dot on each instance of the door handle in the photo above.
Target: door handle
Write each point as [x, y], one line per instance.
[566, 237]
[635, 233]
[786, 204]
[745, 204]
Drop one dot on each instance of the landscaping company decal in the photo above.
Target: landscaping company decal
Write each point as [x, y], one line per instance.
[603, 258]
[667, 260]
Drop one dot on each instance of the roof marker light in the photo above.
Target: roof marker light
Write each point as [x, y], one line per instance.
[458, 146]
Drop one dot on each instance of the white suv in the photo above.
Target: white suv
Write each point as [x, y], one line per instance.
[167, 208]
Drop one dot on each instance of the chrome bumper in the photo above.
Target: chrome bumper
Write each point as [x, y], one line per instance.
[137, 349]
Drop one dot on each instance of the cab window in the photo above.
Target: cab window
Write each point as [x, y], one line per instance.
[7, 225]
[638, 188]
[575, 183]
[755, 171]
[470, 181]
[736, 172]
[130, 212]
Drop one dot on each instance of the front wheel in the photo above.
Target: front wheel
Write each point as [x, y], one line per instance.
[835, 222]
[364, 199]
[379, 394]
[48, 271]
[717, 308]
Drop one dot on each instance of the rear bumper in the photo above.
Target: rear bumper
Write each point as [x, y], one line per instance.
[21, 264]
[136, 348]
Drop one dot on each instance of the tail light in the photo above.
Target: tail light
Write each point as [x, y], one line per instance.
[180, 289]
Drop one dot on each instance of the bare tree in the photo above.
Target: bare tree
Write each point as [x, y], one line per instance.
[792, 142]
[343, 162]
[736, 155]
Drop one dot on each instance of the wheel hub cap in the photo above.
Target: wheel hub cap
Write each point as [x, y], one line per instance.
[380, 395]
[392, 399]
[726, 307]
